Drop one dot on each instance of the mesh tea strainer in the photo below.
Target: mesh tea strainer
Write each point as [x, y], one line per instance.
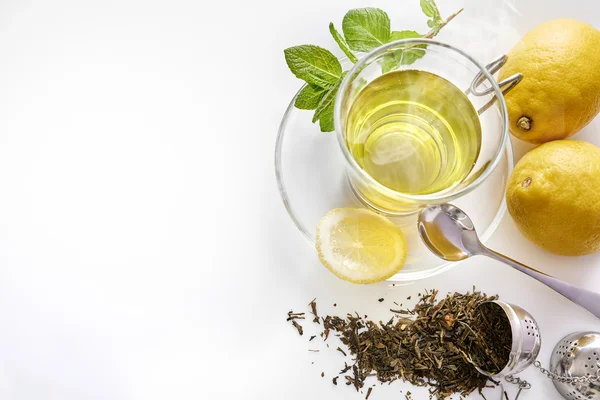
[575, 366]
[526, 340]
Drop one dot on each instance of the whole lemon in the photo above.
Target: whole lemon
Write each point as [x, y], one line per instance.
[560, 91]
[553, 197]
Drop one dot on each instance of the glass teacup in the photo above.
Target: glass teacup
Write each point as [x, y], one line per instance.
[419, 134]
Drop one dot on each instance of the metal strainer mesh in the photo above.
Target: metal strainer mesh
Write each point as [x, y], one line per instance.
[576, 358]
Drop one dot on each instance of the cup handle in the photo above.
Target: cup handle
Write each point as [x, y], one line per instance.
[506, 85]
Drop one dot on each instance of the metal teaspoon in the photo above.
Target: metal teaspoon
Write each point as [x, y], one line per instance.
[450, 234]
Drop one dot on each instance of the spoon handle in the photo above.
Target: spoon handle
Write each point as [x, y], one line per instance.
[585, 298]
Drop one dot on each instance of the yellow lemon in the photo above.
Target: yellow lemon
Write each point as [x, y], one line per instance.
[553, 197]
[560, 91]
[360, 246]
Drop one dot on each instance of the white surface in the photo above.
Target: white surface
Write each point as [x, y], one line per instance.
[145, 253]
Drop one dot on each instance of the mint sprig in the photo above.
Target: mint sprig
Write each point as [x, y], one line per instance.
[364, 29]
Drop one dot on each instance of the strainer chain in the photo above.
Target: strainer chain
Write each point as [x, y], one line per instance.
[522, 384]
[565, 379]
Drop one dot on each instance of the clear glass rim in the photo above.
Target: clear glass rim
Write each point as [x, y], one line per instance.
[432, 198]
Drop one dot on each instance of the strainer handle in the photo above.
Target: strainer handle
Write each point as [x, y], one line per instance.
[583, 297]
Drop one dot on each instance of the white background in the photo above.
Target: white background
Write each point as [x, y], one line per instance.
[144, 250]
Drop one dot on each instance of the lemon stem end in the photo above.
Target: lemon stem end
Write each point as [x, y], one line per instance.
[524, 123]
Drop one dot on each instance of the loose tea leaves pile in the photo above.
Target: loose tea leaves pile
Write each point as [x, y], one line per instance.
[436, 344]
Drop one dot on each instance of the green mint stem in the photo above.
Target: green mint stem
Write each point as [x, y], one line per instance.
[445, 22]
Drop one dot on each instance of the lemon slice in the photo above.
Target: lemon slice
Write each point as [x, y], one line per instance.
[360, 246]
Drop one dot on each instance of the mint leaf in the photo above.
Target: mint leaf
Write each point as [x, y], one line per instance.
[309, 97]
[399, 57]
[326, 101]
[326, 120]
[314, 65]
[399, 35]
[409, 56]
[366, 28]
[431, 10]
[324, 111]
[339, 39]
[390, 63]
[405, 56]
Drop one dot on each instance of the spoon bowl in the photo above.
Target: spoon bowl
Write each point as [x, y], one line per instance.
[448, 232]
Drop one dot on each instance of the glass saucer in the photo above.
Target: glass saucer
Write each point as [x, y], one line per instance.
[312, 180]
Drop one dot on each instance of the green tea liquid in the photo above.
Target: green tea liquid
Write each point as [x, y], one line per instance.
[414, 132]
